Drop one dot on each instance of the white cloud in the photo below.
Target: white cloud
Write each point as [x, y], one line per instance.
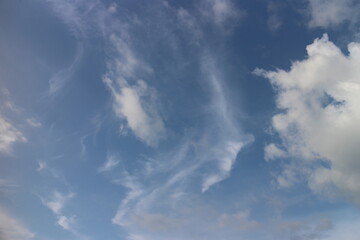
[7, 186]
[331, 13]
[210, 153]
[223, 12]
[272, 152]
[65, 222]
[42, 166]
[56, 204]
[8, 136]
[76, 15]
[226, 159]
[61, 77]
[320, 119]
[136, 104]
[33, 122]
[57, 201]
[110, 163]
[12, 229]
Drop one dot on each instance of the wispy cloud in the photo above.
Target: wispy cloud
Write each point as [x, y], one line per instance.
[73, 14]
[33, 122]
[110, 163]
[57, 201]
[332, 13]
[192, 163]
[222, 12]
[12, 229]
[274, 20]
[8, 136]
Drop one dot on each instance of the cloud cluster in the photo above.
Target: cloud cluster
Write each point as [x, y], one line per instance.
[320, 118]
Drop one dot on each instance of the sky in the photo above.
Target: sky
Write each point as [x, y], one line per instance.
[174, 120]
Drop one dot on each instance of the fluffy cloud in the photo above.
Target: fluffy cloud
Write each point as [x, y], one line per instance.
[331, 13]
[142, 116]
[8, 136]
[12, 229]
[320, 119]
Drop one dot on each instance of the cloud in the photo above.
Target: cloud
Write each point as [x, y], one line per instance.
[309, 229]
[7, 186]
[12, 229]
[134, 100]
[194, 159]
[272, 152]
[56, 204]
[8, 136]
[239, 220]
[110, 163]
[172, 177]
[226, 159]
[141, 116]
[61, 77]
[319, 120]
[33, 122]
[332, 13]
[274, 20]
[222, 12]
[57, 201]
[42, 166]
[77, 16]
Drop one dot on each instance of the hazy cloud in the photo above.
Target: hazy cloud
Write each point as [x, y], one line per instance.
[12, 229]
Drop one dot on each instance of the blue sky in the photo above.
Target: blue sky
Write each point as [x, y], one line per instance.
[172, 120]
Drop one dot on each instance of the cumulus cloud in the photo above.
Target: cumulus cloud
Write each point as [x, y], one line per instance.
[319, 99]
[8, 136]
[12, 229]
[331, 13]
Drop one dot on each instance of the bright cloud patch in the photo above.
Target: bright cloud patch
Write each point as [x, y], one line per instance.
[319, 98]
[141, 116]
[9, 135]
